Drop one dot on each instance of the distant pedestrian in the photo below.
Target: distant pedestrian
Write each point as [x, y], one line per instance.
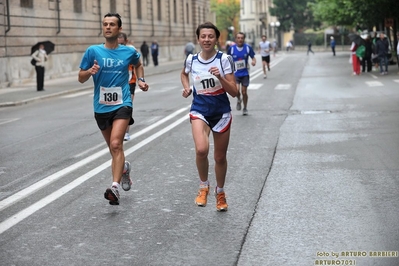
[145, 50]
[288, 46]
[275, 48]
[189, 48]
[397, 50]
[366, 60]
[382, 49]
[155, 52]
[309, 48]
[264, 50]
[41, 57]
[332, 44]
[355, 59]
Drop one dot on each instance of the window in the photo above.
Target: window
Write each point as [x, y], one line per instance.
[77, 6]
[112, 6]
[174, 11]
[27, 3]
[188, 13]
[159, 10]
[199, 16]
[139, 14]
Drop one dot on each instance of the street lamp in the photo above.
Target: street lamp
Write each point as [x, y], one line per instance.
[231, 33]
[275, 26]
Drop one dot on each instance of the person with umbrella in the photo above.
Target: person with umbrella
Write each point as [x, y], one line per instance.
[40, 56]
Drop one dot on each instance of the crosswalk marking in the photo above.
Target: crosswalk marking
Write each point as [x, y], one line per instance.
[283, 87]
[374, 83]
[254, 86]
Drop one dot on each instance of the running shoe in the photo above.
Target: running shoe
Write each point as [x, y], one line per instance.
[238, 107]
[126, 181]
[127, 137]
[264, 76]
[221, 204]
[245, 111]
[112, 194]
[202, 196]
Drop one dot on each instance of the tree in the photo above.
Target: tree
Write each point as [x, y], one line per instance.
[294, 13]
[227, 12]
[349, 13]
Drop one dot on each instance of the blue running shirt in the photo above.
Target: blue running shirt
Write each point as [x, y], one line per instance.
[111, 83]
[209, 97]
[240, 57]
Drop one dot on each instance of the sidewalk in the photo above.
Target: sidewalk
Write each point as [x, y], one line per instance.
[26, 93]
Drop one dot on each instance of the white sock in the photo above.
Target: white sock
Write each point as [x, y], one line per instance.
[204, 184]
[219, 190]
[116, 184]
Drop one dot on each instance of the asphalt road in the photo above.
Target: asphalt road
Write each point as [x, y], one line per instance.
[313, 176]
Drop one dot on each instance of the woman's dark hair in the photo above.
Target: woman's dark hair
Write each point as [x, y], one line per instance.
[207, 25]
[115, 15]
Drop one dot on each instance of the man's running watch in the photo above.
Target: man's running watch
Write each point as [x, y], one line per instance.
[141, 79]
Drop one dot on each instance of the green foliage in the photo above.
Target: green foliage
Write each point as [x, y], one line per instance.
[294, 13]
[226, 12]
[351, 12]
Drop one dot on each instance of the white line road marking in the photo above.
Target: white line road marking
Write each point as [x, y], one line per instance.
[396, 80]
[5, 121]
[48, 180]
[259, 72]
[23, 214]
[374, 83]
[283, 87]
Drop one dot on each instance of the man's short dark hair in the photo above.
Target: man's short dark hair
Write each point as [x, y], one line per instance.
[123, 35]
[241, 33]
[115, 15]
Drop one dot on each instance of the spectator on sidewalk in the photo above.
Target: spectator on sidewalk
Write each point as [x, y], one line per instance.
[382, 49]
[332, 44]
[309, 47]
[155, 52]
[145, 50]
[366, 60]
[397, 50]
[288, 46]
[355, 60]
[41, 57]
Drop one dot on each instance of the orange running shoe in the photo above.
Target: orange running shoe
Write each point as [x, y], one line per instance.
[221, 204]
[202, 196]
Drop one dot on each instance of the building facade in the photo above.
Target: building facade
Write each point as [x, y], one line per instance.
[255, 21]
[73, 25]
